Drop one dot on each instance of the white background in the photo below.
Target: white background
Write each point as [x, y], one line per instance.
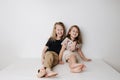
[25, 26]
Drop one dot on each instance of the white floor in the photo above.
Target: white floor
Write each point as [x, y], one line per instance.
[26, 69]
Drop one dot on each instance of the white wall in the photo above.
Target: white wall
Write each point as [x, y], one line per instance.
[25, 26]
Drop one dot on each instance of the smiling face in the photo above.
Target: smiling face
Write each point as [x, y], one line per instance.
[59, 31]
[73, 33]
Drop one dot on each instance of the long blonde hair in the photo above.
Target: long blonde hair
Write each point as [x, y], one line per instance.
[79, 37]
[54, 36]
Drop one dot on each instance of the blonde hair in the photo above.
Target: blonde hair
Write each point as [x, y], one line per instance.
[79, 37]
[54, 36]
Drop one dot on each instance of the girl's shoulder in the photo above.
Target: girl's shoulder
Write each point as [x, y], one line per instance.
[50, 39]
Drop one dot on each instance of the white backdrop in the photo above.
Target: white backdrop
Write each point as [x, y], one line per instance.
[25, 26]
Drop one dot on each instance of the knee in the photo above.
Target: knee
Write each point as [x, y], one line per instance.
[49, 55]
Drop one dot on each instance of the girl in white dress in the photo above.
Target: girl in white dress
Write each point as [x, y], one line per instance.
[71, 50]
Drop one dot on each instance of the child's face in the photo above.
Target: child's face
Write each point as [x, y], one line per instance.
[73, 33]
[59, 31]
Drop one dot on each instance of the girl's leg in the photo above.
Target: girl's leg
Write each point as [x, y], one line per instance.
[56, 59]
[74, 66]
[46, 71]
[76, 70]
[49, 63]
[73, 62]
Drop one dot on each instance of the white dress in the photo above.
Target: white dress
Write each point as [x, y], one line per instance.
[68, 44]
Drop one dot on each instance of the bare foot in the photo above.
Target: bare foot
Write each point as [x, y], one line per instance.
[76, 65]
[76, 70]
[51, 74]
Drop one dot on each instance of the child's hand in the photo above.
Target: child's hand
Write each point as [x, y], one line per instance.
[61, 62]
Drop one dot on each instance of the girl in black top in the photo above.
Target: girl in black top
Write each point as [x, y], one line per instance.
[50, 54]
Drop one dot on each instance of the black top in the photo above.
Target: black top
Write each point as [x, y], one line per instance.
[54, 45]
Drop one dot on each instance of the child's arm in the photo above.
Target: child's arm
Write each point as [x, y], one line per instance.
[43, 53]
[82, 55]
[61, 54]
